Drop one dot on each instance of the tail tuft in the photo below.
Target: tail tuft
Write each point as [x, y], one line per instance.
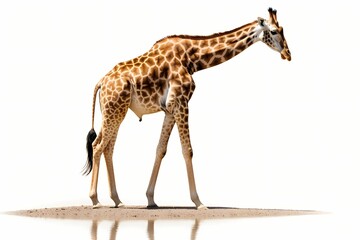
[89, 140]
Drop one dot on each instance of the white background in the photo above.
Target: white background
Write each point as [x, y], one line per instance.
[266, 133]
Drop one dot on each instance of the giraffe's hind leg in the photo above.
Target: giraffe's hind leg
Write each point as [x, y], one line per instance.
[104, 143]
[114, 106]
[108, 154]
[98, 148]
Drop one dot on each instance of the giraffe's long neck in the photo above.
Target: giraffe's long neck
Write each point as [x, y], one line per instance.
[209, 51]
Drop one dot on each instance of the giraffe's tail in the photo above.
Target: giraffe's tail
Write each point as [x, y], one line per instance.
[91, 137]
[89, 140]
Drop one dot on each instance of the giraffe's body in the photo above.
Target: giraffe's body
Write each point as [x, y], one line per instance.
[160, 80]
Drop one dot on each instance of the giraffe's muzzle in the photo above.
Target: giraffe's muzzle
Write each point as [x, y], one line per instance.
[285, 54]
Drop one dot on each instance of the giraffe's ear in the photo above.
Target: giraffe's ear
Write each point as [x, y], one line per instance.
[261, 21]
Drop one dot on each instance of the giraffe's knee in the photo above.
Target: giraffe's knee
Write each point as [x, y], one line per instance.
[161, 152]
[98, 149]
[97, 139]
[188, 153]
[95, 145]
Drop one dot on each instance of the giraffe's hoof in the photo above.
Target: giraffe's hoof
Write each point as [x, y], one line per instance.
[201, 207]
[119, 205]
[97, 206]
[152, 206]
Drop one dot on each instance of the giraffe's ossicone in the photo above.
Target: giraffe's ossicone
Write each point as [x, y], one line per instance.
[161, 80]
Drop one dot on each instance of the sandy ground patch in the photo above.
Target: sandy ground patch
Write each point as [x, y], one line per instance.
[142, 213]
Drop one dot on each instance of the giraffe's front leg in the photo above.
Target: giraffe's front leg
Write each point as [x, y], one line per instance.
[167, 127]
[181, 117]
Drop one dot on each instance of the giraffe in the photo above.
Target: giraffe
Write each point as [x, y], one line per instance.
[161, 80]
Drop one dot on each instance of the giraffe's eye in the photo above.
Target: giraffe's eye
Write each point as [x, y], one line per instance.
[273, 32]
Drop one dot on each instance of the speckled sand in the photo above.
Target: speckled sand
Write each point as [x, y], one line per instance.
[141, 212]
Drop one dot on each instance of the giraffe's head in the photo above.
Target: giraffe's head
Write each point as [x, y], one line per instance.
[273, 35]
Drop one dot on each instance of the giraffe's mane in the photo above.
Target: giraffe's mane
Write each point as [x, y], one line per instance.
[206, 37]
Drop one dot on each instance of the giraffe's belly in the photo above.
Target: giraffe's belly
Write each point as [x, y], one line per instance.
[146, 106]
